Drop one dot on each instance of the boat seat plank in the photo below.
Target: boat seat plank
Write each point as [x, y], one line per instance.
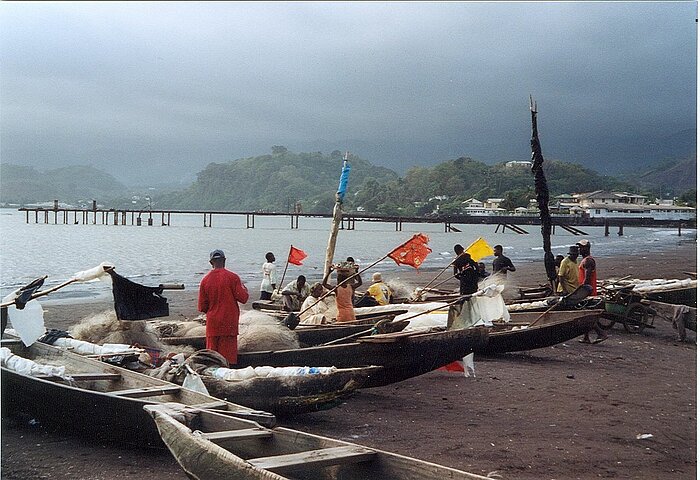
[211, 405]
[8, 342]
[85, 376]
[96, 376]
[315, 458]
[147, 391]
[388, 337]
[242, 434]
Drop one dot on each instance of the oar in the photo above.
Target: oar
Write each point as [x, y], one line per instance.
[581, 292]
[83, 276]
[369, 330]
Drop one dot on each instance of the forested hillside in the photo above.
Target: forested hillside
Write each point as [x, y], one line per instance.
[274, 182]
[464, 178]
[75, 184]
[278, 181]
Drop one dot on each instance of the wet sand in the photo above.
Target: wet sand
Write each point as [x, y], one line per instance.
[567, 412]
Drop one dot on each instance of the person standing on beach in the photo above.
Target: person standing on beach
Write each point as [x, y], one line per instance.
[567, 278]
[466, 271]
[220, 292]
[269, 281]
[344, 292]
[501, 264]
[587, 276]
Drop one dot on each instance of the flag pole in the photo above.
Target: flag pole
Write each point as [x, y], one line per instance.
[279, 285]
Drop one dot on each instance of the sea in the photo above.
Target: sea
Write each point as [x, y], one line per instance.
[179, 253]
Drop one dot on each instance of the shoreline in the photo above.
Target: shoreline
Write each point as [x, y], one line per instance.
[672, 263]
[630, 403]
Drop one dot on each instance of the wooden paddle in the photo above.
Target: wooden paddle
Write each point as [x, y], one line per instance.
[97, 273]
[581, 292]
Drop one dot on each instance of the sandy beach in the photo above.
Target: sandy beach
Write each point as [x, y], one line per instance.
[572, 411]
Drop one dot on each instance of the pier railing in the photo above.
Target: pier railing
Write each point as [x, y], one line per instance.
[514, 223]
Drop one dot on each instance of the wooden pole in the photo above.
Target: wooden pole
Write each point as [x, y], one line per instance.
[333, 237]
[286, 265]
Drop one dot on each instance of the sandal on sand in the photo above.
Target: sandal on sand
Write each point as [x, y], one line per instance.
[588, 342]
[598, 340]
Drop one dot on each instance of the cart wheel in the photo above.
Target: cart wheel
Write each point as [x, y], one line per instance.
[635, 318]
[606, 322]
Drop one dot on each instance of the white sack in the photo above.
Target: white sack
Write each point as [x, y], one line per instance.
[28, 323]
[25, 366]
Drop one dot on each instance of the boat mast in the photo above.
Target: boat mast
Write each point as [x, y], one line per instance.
[337, 215]
[542, 193]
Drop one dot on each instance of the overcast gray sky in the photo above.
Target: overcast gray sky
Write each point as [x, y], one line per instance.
[156, 91]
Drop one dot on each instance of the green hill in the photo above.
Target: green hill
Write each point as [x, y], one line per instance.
[75, 184]
[274, 182]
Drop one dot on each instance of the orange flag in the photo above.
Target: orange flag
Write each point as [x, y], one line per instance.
[296, 256]
[413, 252]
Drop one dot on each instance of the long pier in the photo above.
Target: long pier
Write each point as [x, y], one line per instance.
[514, 223]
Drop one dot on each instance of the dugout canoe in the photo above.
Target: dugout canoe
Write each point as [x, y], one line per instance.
[309, 335]
[98, 399]
[533, 330]
[209, 446]
[293, 394]
[403, 355]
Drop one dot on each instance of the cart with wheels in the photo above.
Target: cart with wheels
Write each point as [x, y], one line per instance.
[625, 306]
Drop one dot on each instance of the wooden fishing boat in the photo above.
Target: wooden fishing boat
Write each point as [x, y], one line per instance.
[403, 355]
[98, 399]
[288, 394]
[292, 395]
[532, 330]
[673, 291]
[209, 446]
[310, 335]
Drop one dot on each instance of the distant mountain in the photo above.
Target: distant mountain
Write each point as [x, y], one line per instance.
[75, 184]
[274, 182]
[667, 179]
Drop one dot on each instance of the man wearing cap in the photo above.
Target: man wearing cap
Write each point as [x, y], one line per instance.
[220, 292]
[587, 276]
[586, 269]
[379, 291]
[568, 272]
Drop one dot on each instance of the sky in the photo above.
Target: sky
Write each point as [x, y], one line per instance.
[154, 92]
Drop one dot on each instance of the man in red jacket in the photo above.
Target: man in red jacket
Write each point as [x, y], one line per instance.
[220, 292]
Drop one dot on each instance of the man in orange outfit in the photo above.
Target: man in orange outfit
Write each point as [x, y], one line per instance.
[220, 292]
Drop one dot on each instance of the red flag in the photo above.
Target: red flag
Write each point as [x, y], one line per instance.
[296, 256]
[413, 252]
[456, 366]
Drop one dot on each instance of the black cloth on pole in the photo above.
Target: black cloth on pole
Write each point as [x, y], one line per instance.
[137, 302]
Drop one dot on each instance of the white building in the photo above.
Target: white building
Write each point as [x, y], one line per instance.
[602, 204]
[521, 164]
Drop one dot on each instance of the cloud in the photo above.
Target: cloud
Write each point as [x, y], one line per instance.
[152, 90]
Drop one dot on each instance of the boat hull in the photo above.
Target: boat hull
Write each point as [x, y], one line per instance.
[553, 328]
[93, 407]
[402, 356]
[240, 458]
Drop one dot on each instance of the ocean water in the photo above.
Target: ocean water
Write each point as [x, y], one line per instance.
[179, 253]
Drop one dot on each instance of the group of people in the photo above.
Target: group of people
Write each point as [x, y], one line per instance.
[221, 290]
[571, 275]
[469, 272]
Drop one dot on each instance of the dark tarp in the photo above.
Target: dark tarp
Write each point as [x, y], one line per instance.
[137, 302]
